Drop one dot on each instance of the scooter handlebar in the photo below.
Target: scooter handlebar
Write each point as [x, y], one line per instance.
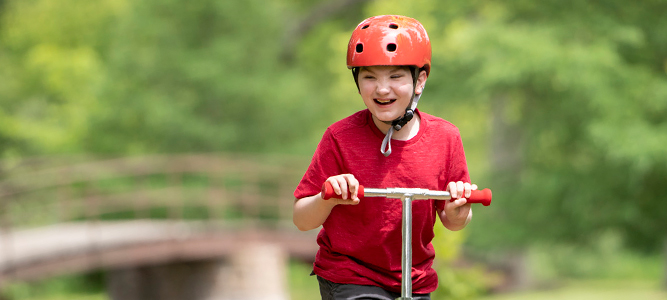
[477, 196]
[481, 196]
[328, 192]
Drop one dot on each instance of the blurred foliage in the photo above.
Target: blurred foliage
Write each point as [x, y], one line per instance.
[457, 282]
[605, 259]
[75, 287]
[116, 76]
[589, 116]
[561, 103]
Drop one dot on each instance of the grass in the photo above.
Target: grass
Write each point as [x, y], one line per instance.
[301, 285]
[591, 289]
[66, 287]
[304, 287]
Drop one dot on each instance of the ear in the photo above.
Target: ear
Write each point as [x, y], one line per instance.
[421, 81]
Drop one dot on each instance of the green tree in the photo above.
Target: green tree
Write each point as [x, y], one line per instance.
[116, 76]
[51, 73]
[577, 117]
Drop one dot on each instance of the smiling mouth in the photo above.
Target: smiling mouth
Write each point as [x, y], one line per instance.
[384, 101]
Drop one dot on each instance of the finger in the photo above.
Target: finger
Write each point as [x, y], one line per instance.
[451, 187]
[343, 188]
[459, 188]
[460, 202]
[335, 185]
[454, 204]
[353, 183]
[348, 202]
[474, 187]
[468, 189]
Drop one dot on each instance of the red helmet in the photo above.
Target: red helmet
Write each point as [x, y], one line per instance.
[389, 40]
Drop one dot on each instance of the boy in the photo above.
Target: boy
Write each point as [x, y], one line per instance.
[360, 241]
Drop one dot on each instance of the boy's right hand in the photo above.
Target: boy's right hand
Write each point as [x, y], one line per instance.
[341, 185]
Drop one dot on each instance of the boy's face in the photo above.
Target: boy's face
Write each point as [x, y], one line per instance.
[387, 90]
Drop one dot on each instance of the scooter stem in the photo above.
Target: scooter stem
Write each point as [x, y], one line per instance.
[406, 254]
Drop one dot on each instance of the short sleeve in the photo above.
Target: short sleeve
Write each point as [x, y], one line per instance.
[325, 163]
[458, 167]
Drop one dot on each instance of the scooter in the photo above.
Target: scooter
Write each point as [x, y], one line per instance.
[407, 195]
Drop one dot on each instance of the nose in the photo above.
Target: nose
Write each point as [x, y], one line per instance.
[383, 87]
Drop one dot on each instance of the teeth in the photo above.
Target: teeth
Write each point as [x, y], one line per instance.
[383, 101]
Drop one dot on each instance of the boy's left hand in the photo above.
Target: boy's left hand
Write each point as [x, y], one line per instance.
[458, 210]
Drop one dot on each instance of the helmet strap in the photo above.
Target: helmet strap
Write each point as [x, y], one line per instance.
[410, 110]
[399, 123]
[385, 148]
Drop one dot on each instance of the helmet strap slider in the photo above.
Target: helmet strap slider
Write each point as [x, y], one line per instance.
[401, 121]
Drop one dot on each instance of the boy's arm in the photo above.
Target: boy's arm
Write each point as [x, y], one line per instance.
[311, 212]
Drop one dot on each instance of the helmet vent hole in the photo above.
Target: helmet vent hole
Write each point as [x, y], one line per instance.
[365, 26]
[359, 48]
[393, 26]
[391, 47]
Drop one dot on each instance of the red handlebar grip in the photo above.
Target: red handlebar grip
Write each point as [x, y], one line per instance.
[483, 197]
[328, 192]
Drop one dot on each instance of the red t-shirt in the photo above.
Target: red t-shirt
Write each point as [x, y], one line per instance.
[361, 244]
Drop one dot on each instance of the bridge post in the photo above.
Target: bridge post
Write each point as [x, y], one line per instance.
[255, 271]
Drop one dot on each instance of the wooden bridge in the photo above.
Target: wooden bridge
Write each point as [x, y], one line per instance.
[204, 221]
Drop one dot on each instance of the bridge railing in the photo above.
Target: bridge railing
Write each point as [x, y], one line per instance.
[193, 186]
[131, 216]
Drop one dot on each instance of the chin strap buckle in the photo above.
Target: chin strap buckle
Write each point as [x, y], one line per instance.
[400, 122]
